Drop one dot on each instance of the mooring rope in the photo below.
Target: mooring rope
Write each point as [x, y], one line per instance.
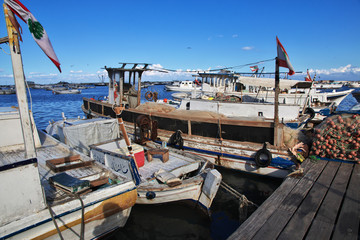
[242, 198]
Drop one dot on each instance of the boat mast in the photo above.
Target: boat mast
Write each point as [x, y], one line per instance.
[13, 37]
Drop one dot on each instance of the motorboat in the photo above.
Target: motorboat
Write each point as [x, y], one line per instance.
[183, 86]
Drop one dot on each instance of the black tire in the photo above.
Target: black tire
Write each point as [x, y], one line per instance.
[310, 111]
[263, 158]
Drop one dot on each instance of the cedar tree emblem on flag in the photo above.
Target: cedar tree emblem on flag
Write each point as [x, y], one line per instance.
[283, 58]
[38, 32]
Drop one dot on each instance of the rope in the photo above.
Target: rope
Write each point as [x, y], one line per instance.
[82, 231]
[242, 198]
[217, 69]
[54, 221]
[4, 51]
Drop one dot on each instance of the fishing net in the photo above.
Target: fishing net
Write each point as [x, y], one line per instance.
[155, 107]
[338, 137]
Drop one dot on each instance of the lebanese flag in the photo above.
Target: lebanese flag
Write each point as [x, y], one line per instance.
[38, 32]
[308, 78]
[283, 58]
[254, 68]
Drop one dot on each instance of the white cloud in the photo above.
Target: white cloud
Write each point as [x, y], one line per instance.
[247, 48]
[79, 71]
[346, 73]
[345, 69]
[235, 35]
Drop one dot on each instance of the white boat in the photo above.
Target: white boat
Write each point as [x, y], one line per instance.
[161, 175]
[183, 86]
[180, 177]
[67, 91]
[42, 202]
[50, 191]
[354, 84]
[292, 91]
[7, 91]
[238, 109]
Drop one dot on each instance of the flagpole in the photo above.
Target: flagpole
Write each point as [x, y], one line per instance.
[20, 87]
[277, 135]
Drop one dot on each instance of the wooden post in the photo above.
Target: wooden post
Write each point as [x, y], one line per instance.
[277, 133]
[19, 78]
[139, 89]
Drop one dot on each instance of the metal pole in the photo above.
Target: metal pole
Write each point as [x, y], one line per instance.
[19, 78]
[139, 89]
[276, 105]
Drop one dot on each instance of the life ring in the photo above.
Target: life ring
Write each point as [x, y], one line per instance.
[310, 111]
[149, 96]
[263, 158]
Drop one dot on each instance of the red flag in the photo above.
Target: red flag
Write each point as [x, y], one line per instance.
[283, 58]
[38, 32]
[308, 78]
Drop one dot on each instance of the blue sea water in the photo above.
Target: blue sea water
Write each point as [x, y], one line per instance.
[173, 220]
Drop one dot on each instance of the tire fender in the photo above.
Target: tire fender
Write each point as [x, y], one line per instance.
[263, 158]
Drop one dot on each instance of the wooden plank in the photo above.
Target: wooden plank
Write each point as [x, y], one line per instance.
[301, 220]
[67, 163]
[324, 221]
[347, 226]
[275, 224]
[249, 228]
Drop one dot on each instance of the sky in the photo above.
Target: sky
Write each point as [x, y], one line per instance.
[322, 36]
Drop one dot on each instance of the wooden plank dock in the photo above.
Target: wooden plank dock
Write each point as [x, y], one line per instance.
[324, 203]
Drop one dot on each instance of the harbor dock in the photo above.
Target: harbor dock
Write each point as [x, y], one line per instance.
[323, 203]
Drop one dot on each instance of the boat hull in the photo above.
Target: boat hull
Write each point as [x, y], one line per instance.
[100, 218]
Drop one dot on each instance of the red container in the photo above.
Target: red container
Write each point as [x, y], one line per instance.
[138, 153]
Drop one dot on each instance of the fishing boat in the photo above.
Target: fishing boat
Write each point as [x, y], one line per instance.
[293, 92]
[353, 84]
[161, 174]
[7, 91]
[183, 86]
[59, 191]
[50, 191]
[253, 145]
[67, 91]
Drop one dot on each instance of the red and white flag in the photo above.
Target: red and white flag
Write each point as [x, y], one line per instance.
[283, 58]
[308, 78]
[254, 68]
[38, 32]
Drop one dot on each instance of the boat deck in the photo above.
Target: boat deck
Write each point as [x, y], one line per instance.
[322, 204]
[176, 161]
[52, 149]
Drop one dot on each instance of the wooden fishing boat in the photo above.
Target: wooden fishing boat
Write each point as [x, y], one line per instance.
[47, 188]
[161, 174]
[96, 201]
[249, 144]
